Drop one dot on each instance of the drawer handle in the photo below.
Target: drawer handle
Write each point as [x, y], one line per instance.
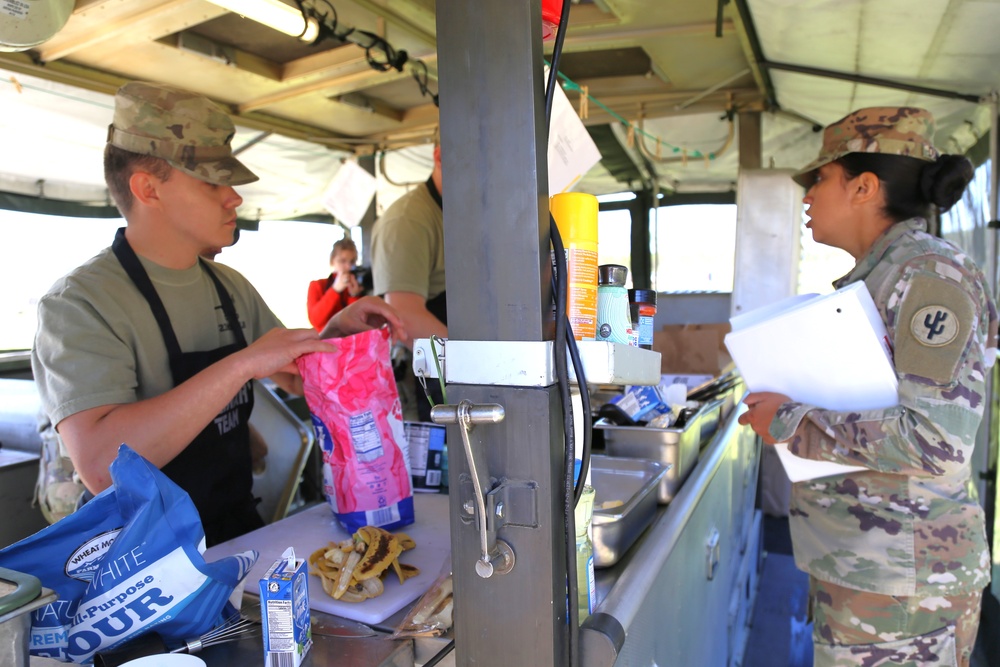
[712, 554]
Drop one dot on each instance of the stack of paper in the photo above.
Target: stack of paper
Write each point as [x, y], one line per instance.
[831, 351]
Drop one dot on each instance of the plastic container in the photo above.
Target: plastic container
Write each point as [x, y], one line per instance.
[642, 305]
[575, 214]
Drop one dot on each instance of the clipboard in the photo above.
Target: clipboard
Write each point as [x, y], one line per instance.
[830, 350]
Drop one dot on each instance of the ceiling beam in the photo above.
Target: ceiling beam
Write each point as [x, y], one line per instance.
[400, 20]
[102, 82]
[596, 39]
[326, 63]
[136, 21]
[361, 78]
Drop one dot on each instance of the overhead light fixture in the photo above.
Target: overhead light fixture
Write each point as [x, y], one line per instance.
[274, 14]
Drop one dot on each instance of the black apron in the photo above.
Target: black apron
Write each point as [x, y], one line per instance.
[438, 307]
[215, 469]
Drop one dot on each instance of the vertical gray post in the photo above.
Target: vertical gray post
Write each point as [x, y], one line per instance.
[367, 162]
[750, 140]
[497, 257]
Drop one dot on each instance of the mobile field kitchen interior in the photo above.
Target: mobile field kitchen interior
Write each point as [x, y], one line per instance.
[684, 117]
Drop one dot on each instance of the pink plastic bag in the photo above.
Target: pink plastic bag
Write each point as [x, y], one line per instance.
[352, 397]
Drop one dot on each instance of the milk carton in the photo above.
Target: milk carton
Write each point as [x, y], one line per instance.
[284, 611]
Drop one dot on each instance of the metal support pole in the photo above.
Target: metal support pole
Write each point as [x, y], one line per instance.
[642, 265]
[367, 162]
[495, 194]
[750, 140]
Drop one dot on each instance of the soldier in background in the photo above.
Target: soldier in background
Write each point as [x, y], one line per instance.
[897, 553]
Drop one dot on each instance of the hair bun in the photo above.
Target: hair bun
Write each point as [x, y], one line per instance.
[943, 181]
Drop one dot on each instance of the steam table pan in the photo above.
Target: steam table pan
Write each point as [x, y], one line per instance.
[624, 503]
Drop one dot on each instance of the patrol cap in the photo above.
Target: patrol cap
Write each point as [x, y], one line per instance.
[905, 131]
[189, 131]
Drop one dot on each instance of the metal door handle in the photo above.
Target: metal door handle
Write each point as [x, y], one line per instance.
[496, 556]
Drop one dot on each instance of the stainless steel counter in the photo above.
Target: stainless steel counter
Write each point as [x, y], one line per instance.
[681, 577]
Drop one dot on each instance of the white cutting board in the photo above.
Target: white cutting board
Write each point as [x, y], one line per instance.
[316, 526]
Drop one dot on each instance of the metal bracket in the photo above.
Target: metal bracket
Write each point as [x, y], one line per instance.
[496, 556]
[712, 554]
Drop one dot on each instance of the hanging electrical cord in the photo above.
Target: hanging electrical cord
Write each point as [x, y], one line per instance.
[640, 142]
[564, 336]
[389, 179]
[379, 53]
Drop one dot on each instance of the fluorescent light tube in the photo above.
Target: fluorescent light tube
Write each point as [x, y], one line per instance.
[274, 14]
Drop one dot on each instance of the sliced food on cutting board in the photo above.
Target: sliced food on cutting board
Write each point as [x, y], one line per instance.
[352, 570]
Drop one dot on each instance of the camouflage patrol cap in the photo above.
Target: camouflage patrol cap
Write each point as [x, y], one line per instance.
[189, 131]
[907, 131]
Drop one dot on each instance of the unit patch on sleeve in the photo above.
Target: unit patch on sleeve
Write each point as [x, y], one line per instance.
[934, 326]
[935, 323]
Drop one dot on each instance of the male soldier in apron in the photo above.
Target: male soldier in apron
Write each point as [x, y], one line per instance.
[149, 344]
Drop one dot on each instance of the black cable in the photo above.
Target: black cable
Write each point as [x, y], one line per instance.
[388, 59]
[560, 280]
[554, 66]
[564, 333]
[439, 656]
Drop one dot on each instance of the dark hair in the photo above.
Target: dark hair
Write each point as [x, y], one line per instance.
[912, 185]
[120, 164]
[345, 244]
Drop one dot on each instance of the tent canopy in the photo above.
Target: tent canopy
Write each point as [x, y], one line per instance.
[666, 80]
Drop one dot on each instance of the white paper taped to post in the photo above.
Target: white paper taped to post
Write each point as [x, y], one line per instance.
[831, 351]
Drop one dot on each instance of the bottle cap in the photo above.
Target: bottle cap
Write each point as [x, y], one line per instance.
[642, 296]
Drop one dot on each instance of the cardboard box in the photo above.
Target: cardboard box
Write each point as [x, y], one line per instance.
[284, 611]
[692, 348]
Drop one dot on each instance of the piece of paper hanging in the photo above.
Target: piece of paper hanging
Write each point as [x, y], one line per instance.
[571, 151]
[349, 194]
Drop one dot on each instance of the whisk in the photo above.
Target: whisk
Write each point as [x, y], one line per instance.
[232, 629]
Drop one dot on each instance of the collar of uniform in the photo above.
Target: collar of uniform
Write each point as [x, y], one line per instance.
[879, 248]
[435, 195]
[171, 277]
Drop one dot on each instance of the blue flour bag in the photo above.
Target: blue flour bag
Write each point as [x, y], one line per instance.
[126, 563]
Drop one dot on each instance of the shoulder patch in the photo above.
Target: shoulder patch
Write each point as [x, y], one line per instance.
[935, 326]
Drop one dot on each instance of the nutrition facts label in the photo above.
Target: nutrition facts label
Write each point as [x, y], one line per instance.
[280, 629]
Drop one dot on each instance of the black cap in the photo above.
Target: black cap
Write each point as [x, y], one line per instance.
[642, 296]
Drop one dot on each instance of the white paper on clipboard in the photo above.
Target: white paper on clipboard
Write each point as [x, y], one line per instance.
[831, 351]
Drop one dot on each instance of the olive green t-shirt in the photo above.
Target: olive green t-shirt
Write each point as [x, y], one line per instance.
[408, 246]
[98, 342]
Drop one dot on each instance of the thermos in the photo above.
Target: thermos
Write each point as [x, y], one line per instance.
[614, 322]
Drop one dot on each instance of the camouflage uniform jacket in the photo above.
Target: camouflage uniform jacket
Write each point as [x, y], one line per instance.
[911, 524]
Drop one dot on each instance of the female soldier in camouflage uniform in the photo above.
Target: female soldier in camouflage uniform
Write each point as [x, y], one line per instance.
[897, 553]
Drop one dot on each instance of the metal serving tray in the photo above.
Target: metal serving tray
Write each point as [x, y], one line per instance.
[631, 482]
[674, 447]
